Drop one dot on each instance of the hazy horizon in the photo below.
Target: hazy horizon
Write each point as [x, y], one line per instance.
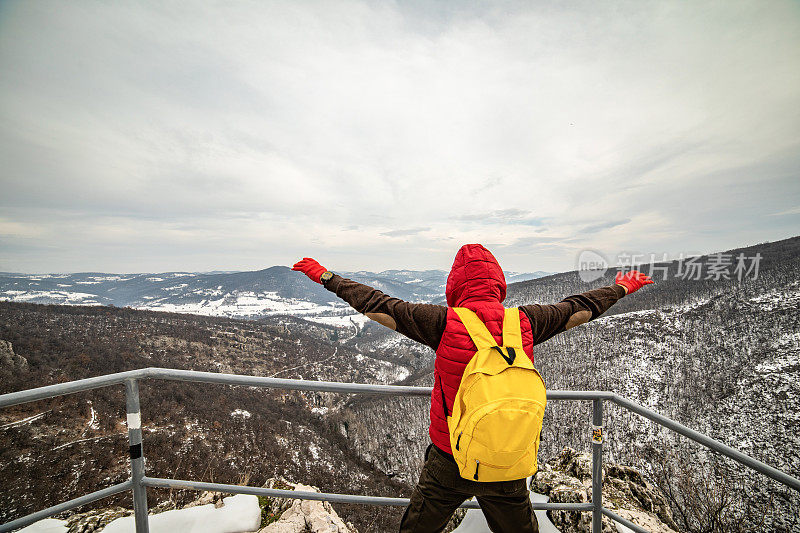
[645, 260]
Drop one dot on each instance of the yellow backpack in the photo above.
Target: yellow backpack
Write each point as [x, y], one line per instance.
[497, 414]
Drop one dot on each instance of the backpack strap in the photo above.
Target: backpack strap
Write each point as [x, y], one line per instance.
[476, 328]
[512, 332]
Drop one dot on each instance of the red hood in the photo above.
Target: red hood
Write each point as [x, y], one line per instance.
[476, 276]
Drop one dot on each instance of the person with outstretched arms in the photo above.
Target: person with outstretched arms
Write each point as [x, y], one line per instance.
[475, 283]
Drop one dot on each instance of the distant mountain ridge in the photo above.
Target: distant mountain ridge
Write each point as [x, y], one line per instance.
[250, 294]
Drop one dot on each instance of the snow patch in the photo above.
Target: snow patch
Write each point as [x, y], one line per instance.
[315, 451]
[175, 287]
[24, 421]
[48, 525]
[356, 319]
[93, 423]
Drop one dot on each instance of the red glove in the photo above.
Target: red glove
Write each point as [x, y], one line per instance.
[633, 280]
[310, 268]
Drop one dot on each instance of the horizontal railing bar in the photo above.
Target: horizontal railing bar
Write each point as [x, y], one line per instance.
[328, 497]
[542, 506]
[627, 523]
[282, 383]
[579, 395]
[71, 387]
[277, 493]
[66, 506]
[59, 389]
[708, 442]
[334, 386]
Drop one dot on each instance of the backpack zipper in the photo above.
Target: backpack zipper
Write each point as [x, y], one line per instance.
[477, 465]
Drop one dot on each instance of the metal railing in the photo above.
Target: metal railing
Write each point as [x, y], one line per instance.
[139, 482]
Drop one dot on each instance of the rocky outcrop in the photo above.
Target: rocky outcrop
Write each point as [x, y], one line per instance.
[8, 357]
[567, 478]
[300, 516]
[207, 497]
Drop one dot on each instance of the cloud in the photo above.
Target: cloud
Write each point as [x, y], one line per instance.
[403, 232]
[533, 241]
[503, 216]
[18, 229]
[791, 211]
[605, 225]
[259, 131]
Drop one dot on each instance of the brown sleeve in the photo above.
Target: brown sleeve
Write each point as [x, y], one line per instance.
[549, 320]
[420, 322]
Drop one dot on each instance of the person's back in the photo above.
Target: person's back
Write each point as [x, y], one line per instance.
[476, 282]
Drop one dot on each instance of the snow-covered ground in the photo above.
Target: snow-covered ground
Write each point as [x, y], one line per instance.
[340, 321]
[239, 304]
[48, 525]
[251, 304]
[59, 297]
[240, 514]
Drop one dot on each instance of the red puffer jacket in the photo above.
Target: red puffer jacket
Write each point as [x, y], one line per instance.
[476, 282]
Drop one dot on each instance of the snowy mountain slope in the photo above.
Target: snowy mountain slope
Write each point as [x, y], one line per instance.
[734, 376]
[720, 356]
[134, 290]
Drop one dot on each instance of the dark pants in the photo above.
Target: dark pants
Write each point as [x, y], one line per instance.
[441, 489]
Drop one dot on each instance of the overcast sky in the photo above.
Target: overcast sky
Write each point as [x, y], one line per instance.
[160, 136]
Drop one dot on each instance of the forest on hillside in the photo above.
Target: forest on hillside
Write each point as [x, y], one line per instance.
[78, 443]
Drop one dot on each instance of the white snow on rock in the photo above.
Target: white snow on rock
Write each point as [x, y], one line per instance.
[239, 514]
[93, 423]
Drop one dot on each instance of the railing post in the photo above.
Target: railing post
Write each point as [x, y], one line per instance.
[134, 418]
[597, 466]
